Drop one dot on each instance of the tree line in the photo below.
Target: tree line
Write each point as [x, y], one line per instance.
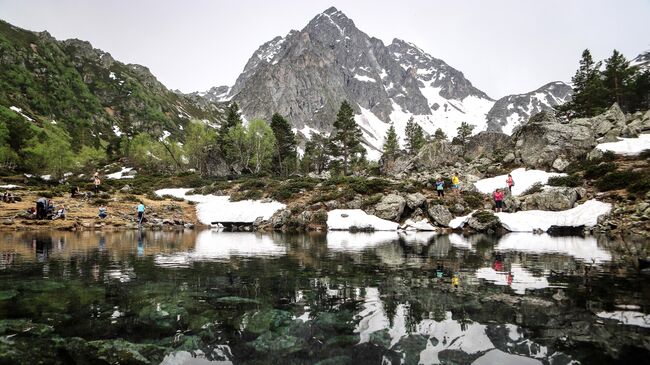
[598, 85]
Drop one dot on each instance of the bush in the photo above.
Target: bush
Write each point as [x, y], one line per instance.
[246, 195]
[252, 184]
[569, 180]
[599, 170]
[45, 194]
[617, 180]
[484, 216]
[640, 186]
[154, 196]
[535, 188]
[320, 217]
[645, 154]
[474, 200]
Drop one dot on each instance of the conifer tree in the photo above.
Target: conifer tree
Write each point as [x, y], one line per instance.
[414, 137]
[391, 144]
[589, 92]
[316, 157]
[464, 132]
[285, 156]
[226, 137]
[618, 79]
[345, 140]
[439, 135]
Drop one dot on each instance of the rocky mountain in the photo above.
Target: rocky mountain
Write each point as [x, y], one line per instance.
[642, 60]
[87, 92]
[513, 110]
[306, 74]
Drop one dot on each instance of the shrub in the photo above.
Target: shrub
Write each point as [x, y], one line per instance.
[640, 186]
[252, 184]
[45, 194]
[473, 200]
[320, 217]
[535, 188]
[645, 154]
[617, 180]
[568, 180]
[246, 195]
[153, 196]
[99, 202]
[484, 216]
[599, 170]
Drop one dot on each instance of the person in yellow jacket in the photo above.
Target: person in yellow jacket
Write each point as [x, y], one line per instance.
[455, 183]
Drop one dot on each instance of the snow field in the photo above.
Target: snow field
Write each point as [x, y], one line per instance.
[627, 146]
[523, 179]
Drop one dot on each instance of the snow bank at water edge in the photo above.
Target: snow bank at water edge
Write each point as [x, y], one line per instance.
[627, 146]
[350, 219]
[9, 186]
[122, 174]
[422, 225]
[585, 214]
[523, 179]
[631, 318]
[582, 248]
[214, 208]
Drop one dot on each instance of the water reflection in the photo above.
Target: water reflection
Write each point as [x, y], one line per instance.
[392, 298]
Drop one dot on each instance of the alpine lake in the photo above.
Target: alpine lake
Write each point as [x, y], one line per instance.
[210, 297]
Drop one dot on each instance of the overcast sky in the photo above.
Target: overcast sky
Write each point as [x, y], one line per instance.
[502, 46]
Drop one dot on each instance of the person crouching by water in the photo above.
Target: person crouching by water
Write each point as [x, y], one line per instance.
[140, 210]
[41, 205]
[102, 212]
[440, 187]
[498, 200]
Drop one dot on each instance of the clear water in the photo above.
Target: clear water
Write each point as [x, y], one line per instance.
[383, 298]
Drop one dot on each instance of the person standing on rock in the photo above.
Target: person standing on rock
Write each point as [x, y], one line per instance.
[498, 200]
[511, 182]
[440, 187]
[140, 210]
[455, 183]
[98, 182]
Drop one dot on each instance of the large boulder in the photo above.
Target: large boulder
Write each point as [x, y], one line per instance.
[610, 122]
[390, 207]
[440, 214]
[493, 145]
[484, 221]
[398, 166]
[544, 142]
[553, 198]
[436, 154]
[637, 124]
[415, 200]
[215, 163]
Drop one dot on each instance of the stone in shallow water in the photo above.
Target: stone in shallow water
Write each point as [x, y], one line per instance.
[278, 343]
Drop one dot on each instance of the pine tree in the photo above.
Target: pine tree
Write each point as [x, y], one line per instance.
[618, 79]
[414, 137]
[316, 157]
[233, 120]
[391, 144]
[589, 92]
[285, 156]
[345, 140]
[640, 98]
[439, 135]
[464, 132]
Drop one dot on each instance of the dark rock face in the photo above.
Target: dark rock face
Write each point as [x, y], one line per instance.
[488, 144]
[513, 110]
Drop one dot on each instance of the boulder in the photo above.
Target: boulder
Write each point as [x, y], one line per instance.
[553, 198]
[390, 207]
[639, 123]
[437, 154]
[415, 200]
[611, 120]
[484, 221]
[493, 145]
[398, 166]
[440, 214]
[543, 140]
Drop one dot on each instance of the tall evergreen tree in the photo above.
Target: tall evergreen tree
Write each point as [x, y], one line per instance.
[316, 157]
[226, 136]
[464, 132]
[391, 144]
[589, 92]
[346, 137]
[414, 137]
[618, 79]
[285, 156]
[640, 98]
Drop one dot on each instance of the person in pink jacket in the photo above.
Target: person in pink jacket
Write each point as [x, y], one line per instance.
[510, 183]
[498, 200]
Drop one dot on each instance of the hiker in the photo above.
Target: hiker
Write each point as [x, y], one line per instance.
[140, 213]
[440, 186]
[74, 191]
[40, 208]
[510, 183]
[498, 200]
[60, 214]
[49, 210]
[455, 183]
[102, 212]
[98, 182]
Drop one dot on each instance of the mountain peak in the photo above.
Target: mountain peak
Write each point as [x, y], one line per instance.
[332, 17]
